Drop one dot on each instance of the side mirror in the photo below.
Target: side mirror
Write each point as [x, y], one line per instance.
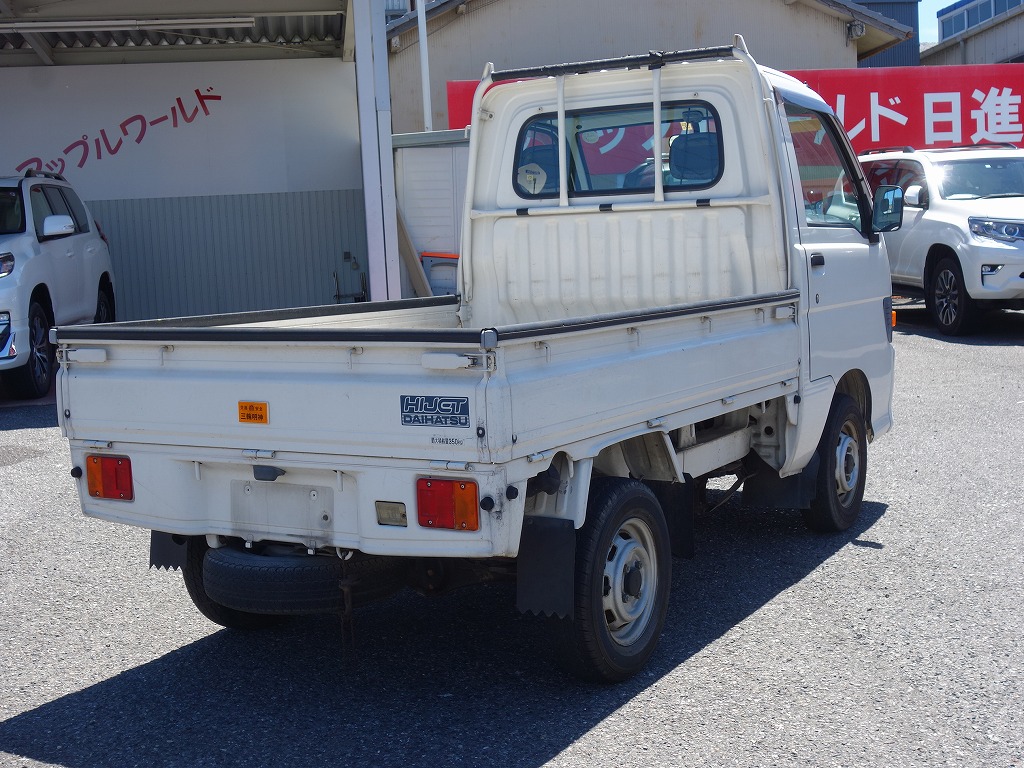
[887, 215]
[916, 196]
[58, 226]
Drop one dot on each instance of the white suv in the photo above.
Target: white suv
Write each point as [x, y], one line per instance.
[54, 270]
[962, 240]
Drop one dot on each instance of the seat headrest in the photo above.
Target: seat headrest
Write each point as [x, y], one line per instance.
[694, 157]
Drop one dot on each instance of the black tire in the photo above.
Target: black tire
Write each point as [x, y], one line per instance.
[32, 380]
[843, 455]
[296, 585]
[622, 580]
[104, 307]
[953, 311]
[196, 550]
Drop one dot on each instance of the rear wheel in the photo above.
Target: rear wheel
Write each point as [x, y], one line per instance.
[623, 574]
[843, 469]
[32, 380]
[952, 309]
[104, 307]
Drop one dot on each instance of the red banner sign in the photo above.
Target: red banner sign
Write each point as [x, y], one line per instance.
[894, 106]
[924, 106]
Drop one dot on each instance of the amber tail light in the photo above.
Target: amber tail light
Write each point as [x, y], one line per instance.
[109, 477]
[447, 504]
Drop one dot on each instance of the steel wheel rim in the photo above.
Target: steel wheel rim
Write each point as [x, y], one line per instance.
[38, 353]
[630, 582]
[947, 297]
[847, 463]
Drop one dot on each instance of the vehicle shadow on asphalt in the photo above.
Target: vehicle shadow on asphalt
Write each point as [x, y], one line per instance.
[994, 329]
[27, 416]
[461, 679]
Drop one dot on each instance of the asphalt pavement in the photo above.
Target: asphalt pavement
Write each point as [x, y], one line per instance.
[897, 643]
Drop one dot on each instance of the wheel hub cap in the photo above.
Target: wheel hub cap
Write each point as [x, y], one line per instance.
[847, 464]
[947, 296]
[630, 580]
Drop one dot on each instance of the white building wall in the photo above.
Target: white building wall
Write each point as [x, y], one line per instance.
[532, 32]
[222, 186]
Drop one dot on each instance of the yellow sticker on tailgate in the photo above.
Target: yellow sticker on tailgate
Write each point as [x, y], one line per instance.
[253, 413]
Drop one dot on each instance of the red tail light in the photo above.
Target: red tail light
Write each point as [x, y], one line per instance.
[447, 504]
[109, 477]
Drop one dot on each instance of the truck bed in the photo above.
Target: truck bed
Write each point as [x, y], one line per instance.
[354, 403]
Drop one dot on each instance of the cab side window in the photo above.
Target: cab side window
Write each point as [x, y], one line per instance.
[40, 208]
[77, 210]
[910, 174]
[829, 190]
[58, 204]
[879, 172]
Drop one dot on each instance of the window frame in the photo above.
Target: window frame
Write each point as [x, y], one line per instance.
[573, 170]
[849, 163]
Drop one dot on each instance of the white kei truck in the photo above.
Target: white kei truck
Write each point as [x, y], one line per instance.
[670, 271]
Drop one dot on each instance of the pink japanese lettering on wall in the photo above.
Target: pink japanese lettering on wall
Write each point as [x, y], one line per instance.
[924, 106]
[132, 129]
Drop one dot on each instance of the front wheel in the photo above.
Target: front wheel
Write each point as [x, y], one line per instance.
[622, 579]
[843, 452]
[952, 309]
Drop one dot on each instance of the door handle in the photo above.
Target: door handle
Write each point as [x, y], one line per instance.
[817, 260]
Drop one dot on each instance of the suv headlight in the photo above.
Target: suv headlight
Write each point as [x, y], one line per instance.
[6, 264]
[1007, 231]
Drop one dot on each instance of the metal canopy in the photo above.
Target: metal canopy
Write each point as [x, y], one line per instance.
[39, 33]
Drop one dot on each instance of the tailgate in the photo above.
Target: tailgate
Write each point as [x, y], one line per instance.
[384, 400]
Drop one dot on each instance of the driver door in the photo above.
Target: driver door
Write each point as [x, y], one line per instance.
[847, 271]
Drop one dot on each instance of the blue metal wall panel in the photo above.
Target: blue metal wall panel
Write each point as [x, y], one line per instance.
[907, 53]
[199, 255]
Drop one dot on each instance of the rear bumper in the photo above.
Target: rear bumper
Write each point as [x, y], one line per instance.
[319, 503]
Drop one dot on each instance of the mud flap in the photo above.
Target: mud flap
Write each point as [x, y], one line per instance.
[166, 550]
[678, 503]
[546, 567]
[767, 489]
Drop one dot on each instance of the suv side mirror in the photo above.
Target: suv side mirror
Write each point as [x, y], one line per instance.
[58, 226]
[916, 196]
[887, 214]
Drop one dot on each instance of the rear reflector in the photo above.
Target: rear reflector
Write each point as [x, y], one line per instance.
[447, 504]
[109, 477]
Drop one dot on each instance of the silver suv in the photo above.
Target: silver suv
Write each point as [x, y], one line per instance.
[54, 270]
[962, 240]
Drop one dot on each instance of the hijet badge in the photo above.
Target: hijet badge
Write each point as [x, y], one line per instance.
[435, 411]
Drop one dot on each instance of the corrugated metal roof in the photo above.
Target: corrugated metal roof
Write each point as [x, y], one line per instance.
[276, 36]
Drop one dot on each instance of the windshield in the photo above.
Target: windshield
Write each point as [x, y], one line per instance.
[12, 219]
[982, 177]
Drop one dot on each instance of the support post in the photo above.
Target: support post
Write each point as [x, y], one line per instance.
[374, 94]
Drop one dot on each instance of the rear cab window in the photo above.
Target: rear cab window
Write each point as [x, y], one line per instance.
[617, 149]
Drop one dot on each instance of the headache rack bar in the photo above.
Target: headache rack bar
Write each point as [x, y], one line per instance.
[651, 60]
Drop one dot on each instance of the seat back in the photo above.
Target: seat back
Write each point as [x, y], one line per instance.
[694, 157]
